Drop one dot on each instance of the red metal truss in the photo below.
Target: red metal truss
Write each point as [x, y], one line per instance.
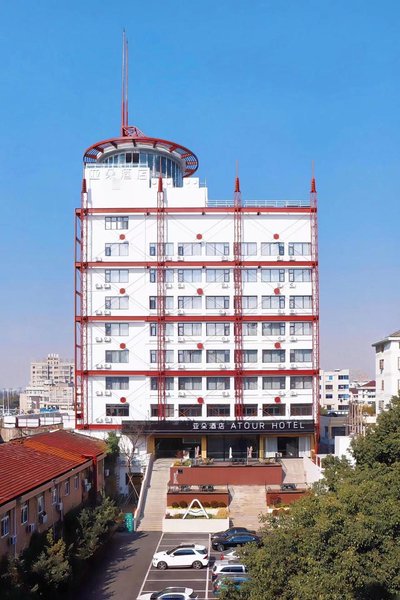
[202, 372]
[181, 264]
[200, 318]
[203, 210]
[315, 302]
[238, 300]
[161, 293]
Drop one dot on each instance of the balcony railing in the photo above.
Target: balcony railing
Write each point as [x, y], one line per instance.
[261, 203]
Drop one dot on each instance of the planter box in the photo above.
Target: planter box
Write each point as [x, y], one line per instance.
[194, 525]
[227, 474]
[202, 496]
[285, 497]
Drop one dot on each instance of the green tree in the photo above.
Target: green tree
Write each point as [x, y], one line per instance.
[94, 527]
[52, 567]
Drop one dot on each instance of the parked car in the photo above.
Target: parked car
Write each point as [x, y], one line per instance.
[232, 531]
[232, 541]
[171, 593]
[222, 583]
[188, 555]
[224, 567]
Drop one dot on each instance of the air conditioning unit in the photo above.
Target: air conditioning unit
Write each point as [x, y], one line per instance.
[99, 312]
[293, 339]
[107, 312]
[181, 286]
[60, 506]
[182, 394]
[222, 312]
[225, 339]
[293, 393]
[224, 258]
[99, 420]
[167, 366]
[282, 393]
[280, 285]
[279, 258]
[99, 393]
[181, 312]
[98, 259]
[99, 339]
[292, 285]
[43, 518]
[167, 339]
[106, 472]
[169, 286]
[99, 366]
[293, 258]
[281, 366]
[12, 540]
[181, 367]
[225, 394]
[292, 312]
[181, 340]
[107, 339]
[168, 258]
[88, 487]
[222, 366]
[107, 366]
[31, 528]
[168, 394]
[293, 366]
[99, 286]
[281, 312]
[225, 285]
[108, 420]
[281, 339]
[107, 393]
[107, 286]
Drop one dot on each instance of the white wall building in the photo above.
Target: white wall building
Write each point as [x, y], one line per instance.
[363, 393]
[387, 369]
[51, 385]
[334, 390]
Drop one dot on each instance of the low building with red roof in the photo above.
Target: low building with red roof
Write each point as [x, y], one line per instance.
[42, 478]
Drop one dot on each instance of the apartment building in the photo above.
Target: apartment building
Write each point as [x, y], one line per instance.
[334, 390]
[387, 369]
[363, 392]
[51, 385]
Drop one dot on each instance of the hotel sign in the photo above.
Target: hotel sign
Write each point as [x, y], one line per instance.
[231, 427]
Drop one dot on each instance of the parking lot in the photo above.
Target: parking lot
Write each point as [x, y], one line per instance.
[199, 580]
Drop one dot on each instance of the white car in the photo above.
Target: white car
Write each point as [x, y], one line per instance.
[171, 593]
[190, 555]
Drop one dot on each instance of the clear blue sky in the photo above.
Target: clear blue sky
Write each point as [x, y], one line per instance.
[271, 84]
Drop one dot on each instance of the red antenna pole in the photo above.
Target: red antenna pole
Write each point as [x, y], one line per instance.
[238, 298]
[124, 91]
[161, 291]
[315, 303]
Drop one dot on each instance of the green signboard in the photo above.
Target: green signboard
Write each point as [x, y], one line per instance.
[129, 522]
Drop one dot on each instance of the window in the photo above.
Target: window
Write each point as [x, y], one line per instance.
[190, 249]
[250, 383]
[249, 249]
[250, 356]
[300, 410]
[191, 302]
[299, 274]
[76, 482]
[382, 385]
[273, 275]
[329, 387]
[169, 356]
[117, 410]
[116, 302]
[5, 525]
[116, 275]
[24, 513]
[274, 410]
[218, 383]
[343, 387]
[273, 328]
[169, 249]
[301, 328]
[116, 249]
[116, 222]
[218, 356]
[189, 356]
[250, 410]
[190, 410]
[272, 249]
[249, 329]
[168, 275]
[217, 249]
[249, 302]
[217, 302]
[299, 249]
[67, 488]
[121, 329]
[189, 275]
[169, 383]
[300, 302]
[217, 275]
[249, 275]
[342, 377]
[153, 302]
[168, 330]
[273, 356]
[273, 302]
[300, 355]
[213, 329]
[190, 329]
[117, 356]
[301, 383]
[117, 383]
[273, 383]
[381, 364]
[189, 383]
[168, 410]
[40, 504]
[55, 495]
[218, 410]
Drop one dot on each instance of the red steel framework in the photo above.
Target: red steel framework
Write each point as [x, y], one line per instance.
[161, 293]
[238, 299]
[315, 308]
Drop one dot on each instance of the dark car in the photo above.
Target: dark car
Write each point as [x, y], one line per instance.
[231, 531]
[231, 541]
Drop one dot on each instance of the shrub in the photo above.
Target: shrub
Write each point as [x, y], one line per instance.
[206, 504]
[214, 504]
[175, 505]
[183, 504]
[222, 504]
[222, 513]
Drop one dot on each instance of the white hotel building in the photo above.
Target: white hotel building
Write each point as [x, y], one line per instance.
[230, 361]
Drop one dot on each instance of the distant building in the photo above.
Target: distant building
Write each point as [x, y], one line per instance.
[363, 393]
[51, 385]
[387, 369]
[334, 390]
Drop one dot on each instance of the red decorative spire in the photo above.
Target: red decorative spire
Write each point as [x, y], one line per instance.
[313, 184]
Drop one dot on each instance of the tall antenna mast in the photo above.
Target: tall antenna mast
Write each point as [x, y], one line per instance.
[124, 91]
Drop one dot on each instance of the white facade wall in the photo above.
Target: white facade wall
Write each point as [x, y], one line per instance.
[387, 369]
[334, 390]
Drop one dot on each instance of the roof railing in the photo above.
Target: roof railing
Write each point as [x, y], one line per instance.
[261, 203]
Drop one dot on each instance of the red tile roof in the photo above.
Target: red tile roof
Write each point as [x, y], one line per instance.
[30, 462]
